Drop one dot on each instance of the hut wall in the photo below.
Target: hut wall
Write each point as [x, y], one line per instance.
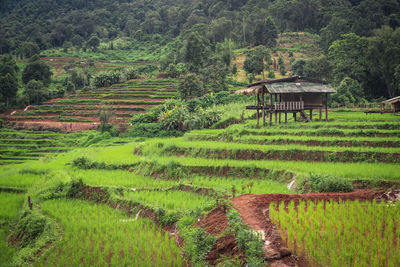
[396, 107]
[310, 99]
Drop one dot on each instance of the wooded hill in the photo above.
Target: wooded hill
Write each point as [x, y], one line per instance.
[65, 22]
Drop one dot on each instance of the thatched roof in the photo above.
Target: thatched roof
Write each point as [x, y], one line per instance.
[392, 100]
[294, 84]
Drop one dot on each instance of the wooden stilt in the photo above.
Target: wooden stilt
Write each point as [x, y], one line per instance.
[270, 110]
[310, 114]
[258, 117]
[279, 117]
[320, 114]
[285, 116]
[263, 116]
[276, 118]
[263, 108]
[326, 106]
[294, 116]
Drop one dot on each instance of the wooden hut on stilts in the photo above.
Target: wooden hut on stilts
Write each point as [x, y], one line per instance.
[289, 95]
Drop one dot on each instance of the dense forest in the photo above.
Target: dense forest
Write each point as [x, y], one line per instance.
[359, 39]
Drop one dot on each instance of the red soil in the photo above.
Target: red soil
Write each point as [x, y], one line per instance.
[215, 223]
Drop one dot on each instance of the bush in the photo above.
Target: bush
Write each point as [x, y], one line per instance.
[29, 228]
[324, 183]
[150, 130]
[197, 242]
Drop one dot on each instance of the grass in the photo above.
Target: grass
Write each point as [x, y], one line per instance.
[97, 235]
[171, 200]
[10, 203]
[341, 234]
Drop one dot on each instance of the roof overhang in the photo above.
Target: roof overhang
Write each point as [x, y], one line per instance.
[291, 85]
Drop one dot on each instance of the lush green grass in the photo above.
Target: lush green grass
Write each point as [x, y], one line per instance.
[97, 235]
[170, 200]
[353, 171]
[119, 178]
[238, 186]
[178, 142]
[29, 145]
[344, 234]
[10, 203]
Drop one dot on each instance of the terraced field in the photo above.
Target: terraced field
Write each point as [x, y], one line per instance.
[81, 111]
[20, 146]
[212, 190]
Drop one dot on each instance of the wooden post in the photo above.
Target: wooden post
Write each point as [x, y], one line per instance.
[30, 202]
[310, 114]
[320, 114]
[280, 107]
[276, 115]
[263, 108]
[294, 116]
[326, 106]
[270, 109]
[257, 108]
[285, 116]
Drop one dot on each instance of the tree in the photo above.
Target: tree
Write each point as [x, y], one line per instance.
[349, 91]
[105, 115]
[36, 92]
[384, 57]
[319, 68]
[298, 67]
[281, 63]
[254, 62]
[349, 57]
[8, 88]
[191, 86]
[265, 32]
[214, 75]
[27, 50]
[195, 51]
[36, 70]
[8, 65]
[8, 78]
[225, 50]
[93, 42]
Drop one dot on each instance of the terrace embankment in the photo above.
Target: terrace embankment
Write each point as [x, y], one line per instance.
[215, 223]
[254, 211]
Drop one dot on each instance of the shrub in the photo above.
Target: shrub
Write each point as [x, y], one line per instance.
[247, 240]
[323, 183]
[150, 130]
[197, 242]
[29, 228]
[75, 187]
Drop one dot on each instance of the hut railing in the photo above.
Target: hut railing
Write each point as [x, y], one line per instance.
[288, 106]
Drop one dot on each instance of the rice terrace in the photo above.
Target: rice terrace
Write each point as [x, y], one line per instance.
[200, 133]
